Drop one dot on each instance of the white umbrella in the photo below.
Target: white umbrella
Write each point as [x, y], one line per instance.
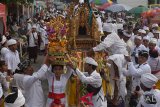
[118, 8]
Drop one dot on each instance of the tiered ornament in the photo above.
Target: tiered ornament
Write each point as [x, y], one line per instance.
[58, 32]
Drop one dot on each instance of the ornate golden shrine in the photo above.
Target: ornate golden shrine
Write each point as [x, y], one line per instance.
[82, 35]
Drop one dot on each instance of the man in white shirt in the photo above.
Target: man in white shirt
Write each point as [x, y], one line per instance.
[151, 96]
[138, 70]
[93, 81]
[12, 57]
[138, 47]
[112, 42]
[33, 43]
[30, 84]
[153, 45]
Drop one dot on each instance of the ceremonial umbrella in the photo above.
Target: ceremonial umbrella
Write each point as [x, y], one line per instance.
[104, 6]
[118, 8]
[100, 2]
[138, 10]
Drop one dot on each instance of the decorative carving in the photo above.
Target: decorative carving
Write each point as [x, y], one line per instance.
[83, 36]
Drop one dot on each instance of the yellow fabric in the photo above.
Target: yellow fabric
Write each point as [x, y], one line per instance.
[104, 85]
[2, 102]
[158, 85]
[72, 95]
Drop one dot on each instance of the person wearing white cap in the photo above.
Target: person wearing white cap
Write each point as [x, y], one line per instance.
[155, 27]
[112, 42]
[138, 47]
[150, 97]
[93, 81]
[156, 34]
[127, 40]
[43, 36]
[141, 33]
[32, 43]
[4, 49]
[153, 45]
[30, 84]
[146, 40]
[29, 24]
[154, 62]
[139, 69]
[12, 57]
[15, 98]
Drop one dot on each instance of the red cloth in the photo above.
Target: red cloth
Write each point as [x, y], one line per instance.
[57, 99]
[87, 99]
[155, 72]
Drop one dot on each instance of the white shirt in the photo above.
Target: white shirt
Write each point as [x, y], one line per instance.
[96, 81]
[32, 38]
[150, 99]
[113, 43]
[29, 26]
[4, 51]
[31, 87]
[12, 60]
[155, 65]
[136, 72]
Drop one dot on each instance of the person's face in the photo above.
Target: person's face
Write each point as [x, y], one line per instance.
[141, 59]
[13, 47]
[29, 70]
[87, 67]
[156, 35]
[33, 29]
[145, 42]
[126, 38]
[58, 70]
[4, 68]
[152, 46]
[142, 86]
[137, 41]
[130, 30]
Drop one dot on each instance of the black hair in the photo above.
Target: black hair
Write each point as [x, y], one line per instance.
[120, 32]
[153, 53]
[62, 66]
[143, 53]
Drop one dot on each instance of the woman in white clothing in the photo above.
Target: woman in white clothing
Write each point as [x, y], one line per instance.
[57, 81]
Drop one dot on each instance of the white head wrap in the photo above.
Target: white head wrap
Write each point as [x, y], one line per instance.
[148, 80]
[146, 38]
[126, 34]
[34, 26]
[142, 31]
[11, 42]
[153, 40]
[138, 37]
[91, 61]
[154, 25]
[107, 27]
[20, 101]
[146, 28]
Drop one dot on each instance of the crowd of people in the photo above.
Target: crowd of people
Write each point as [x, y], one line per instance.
[132, 49]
